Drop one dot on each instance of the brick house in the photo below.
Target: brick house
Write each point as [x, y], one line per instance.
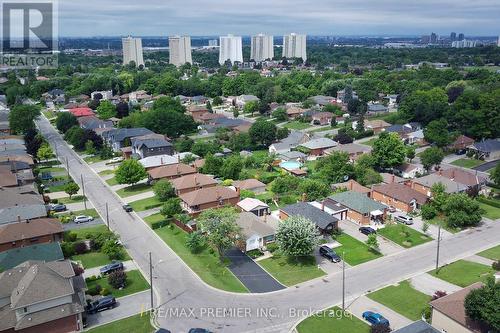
[323, 221]
[192, 182]
[38, 231]
[197, 201]
[171, 171]
[317, 147]
[197, 112]
[322, 118]
[399, 196]
[356, 207]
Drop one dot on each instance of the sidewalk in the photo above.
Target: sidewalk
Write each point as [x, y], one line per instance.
[429, 284]
[146, 213]
[128, 265]
[480, 260]
[432, 231]
[363, 304]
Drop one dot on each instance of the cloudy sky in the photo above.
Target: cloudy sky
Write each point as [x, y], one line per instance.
[320, 17]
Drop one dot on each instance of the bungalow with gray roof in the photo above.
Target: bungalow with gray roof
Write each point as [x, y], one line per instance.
[317, 147]
[257, 233]
[121, 137]
[487, 149]
[322, 220]
[360, 208]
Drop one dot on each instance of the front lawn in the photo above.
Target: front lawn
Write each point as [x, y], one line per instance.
[290, 270]
[81, 233]
[135, 283]
[106, 172]
[91, 259]
[154, 218]
[112, 181]
[369, 142]
[403, 235]
[440, 221]
[51, 169]
[74, 199]
[93, 159]
[332, 321]
[133, 190]
[89, 212]
[356, 252]
[463, 273]
[206, 263]
[403, 299]
[297, 125]
[467, 162]
[490, 211]
[145, 204]
[493, 253]
[139, 323]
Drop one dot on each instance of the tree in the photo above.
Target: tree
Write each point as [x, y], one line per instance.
[212, 165]
[44, 152]
[163, 190]
[388, 150]
[280, 114]
[171, 207]
[195, 242]
[297, 236]
[410, 152]
[263, 132]
[71, 188]
[438, 196]
[343, 138]
[335, 168]
[314, 189]
[366, 175]
[130, 172]
[424, 105]
[360, 125]
[217, 101]
[462, 211]
[106, 110]
[431, 156]
[251, 107]
[117, 279]
[231, 167]
[372, 241]
[236, 113]
[22, 118]
[284, 184]
[220, 228]
[184, 144]
[75, 137]
[282, 133]
[89, 148]
[122, 110]
[65, 120]
[437, 132]
[481, 304]
[495, 175]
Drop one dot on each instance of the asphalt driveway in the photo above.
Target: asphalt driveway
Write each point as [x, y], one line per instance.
[486, 166]
[256, 279]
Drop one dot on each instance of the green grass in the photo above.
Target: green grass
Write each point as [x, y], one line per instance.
[356, 252]
[93, 159]
[82, 232]
[490, 212]
[493, 253]
[297, 125]
[74, 199]
[467, 162]
[106, 172]
[369, 142]
[139, 323]
[112, 181]
[135, 283]
[403, 235]
[51, 169]
[463, 273]
[133, 190]
[403, 299]
[92, 259]
[145, 204]
[90, 212]
[323, 129]
[331, 321]
[206, 263]
[49, 114]
[290, 271]
[154, 218]
[440, 220]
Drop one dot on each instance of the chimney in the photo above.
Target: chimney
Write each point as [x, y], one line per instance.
[237, 190]
[323, 205]
[393, 179]
[19, 218]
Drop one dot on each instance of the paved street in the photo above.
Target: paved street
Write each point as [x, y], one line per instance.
[177, 286]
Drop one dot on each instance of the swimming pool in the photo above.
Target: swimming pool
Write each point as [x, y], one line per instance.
[290, 165]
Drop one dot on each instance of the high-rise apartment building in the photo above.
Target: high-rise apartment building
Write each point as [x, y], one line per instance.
[453, 36]
[262, 47]
[179, 50]
[213, 43]
[434, 38]
[498, 41]
[230, 49]
[461, 36]
[294, 46]
[132, 51]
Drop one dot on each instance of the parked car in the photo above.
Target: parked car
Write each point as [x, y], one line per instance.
[404, 219]
[162, 330]
[329, 254]
[375, 318]
[116, 159]
[199, 330]
[83, 219]
[58, 207]
[127, 208]
[46, 176]
[391, 209]
[109, 268]
[367, 230]
[107, 302]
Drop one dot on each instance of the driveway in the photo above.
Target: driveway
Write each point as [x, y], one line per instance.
[433, 230]
[254, 277]
[72, 225]
[363, 304]
[429, 284]
[128, 265]
[486, 166]
[386, 247]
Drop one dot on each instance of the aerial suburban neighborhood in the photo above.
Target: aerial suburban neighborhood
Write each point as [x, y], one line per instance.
[300, 183]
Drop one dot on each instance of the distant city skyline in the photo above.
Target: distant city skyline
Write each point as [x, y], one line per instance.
[323, 17]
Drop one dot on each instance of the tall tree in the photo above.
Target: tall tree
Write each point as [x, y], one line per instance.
[437, 132]
[22, 118]
[130, 172]
[431, 156]
[106, 110]
[388, 150]
[297, 236]
[220, 228]
[65, 120]
[263, 132]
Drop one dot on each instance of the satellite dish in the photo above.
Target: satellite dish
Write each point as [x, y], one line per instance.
[346, 178]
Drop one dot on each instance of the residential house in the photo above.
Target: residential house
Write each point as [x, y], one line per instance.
[341, 96]
[325, 222]
[197, 201]
[207, 118]
[155, 161]
[354, 150]
[376, 108]
[121, 137]
[388, 178]
[408, 170]
[4, 122]
[448, 313]
[197, 112]
[376, 125]
[251, 185]
[472, 180]
[425, 183]
[82, 112]
[256, 233]
[16, 206]
[392, 100]
[321, 100]
[40, 252]
[242, 100]
[294, 139]
[322, 118]
[404, 130]
[7, 177]
[57, 95]
[418, 326]
[317, 147]
[294, 112]
[352, 185]
[102, 95]
[170, 171]
[92, 123]
[192, 182]
[487, 149]
[399, 196]
[30, 232]
[139, 96]
[292, 156]
[144, 146]
[38, 296]
[254, 206]
[461, 143]
[356, 207]
[415, 138]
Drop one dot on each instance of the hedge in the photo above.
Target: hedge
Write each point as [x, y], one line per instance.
[490, 202]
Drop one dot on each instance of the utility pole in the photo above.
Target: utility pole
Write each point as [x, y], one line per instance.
[107, 215]
[343, 281]
[151, 279]
[67, 166]
[83, 190]
[437, 252]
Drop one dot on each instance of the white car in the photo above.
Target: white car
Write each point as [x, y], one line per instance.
[404, 219]
[83, 219]
[116, 159]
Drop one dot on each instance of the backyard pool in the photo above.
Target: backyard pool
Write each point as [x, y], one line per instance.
[290, 165]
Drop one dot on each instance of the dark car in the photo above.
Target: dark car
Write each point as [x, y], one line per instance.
[127, 208]
[375, 318]
[107, 302]
[46, 176]
[329, 254]
[58, 208]
[162, 330]
[367, 230]
[199, 330]
[109, 268]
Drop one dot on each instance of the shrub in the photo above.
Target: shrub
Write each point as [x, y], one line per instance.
[160, 224]
[70, 236]
[67, 249]
[104, 292]
[117, 279]
[77, 269]
[272, 247]
[95, 290]
[255, 253]
[80, 247]
[428, 212]
[113, 250]
[91, 278]
[496, 265]
[195, 242]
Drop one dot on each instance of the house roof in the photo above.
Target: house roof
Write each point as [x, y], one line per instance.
[293, 139]
[322, 115]
[157, 160]
[322, 100]
[350, 148]
[23, 157]
[248, 98]
[390, 178]
[463, 140]
[376, 123]
[15, 205]
[12, 147]
[352, 185]
[295, 110]
[82, 112]
[121, 134]
[488, 146]
[452, 306]
[166, 171]
[401, 192]
[249, 204]
[377, 107]
[208, 195]
[248, 184]
[434, 178]
[407, 167]
[358, 202]
[34, 228]
[192, 180]
[319, 143]
[92, 122]
[462, 176]
[43, 252]
[151, 143]
[320, 218]
[289, 155]
[250, 225]
[418, 326]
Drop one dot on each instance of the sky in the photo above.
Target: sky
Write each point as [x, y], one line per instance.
[277, 17]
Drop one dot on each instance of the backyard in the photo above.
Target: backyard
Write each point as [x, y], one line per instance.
[403, 235]
[333, 321]
[290, 270]
[463, 273]
[355, 251]
[139, 323]
[467, 162]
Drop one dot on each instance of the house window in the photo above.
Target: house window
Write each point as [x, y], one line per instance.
[25, 309]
